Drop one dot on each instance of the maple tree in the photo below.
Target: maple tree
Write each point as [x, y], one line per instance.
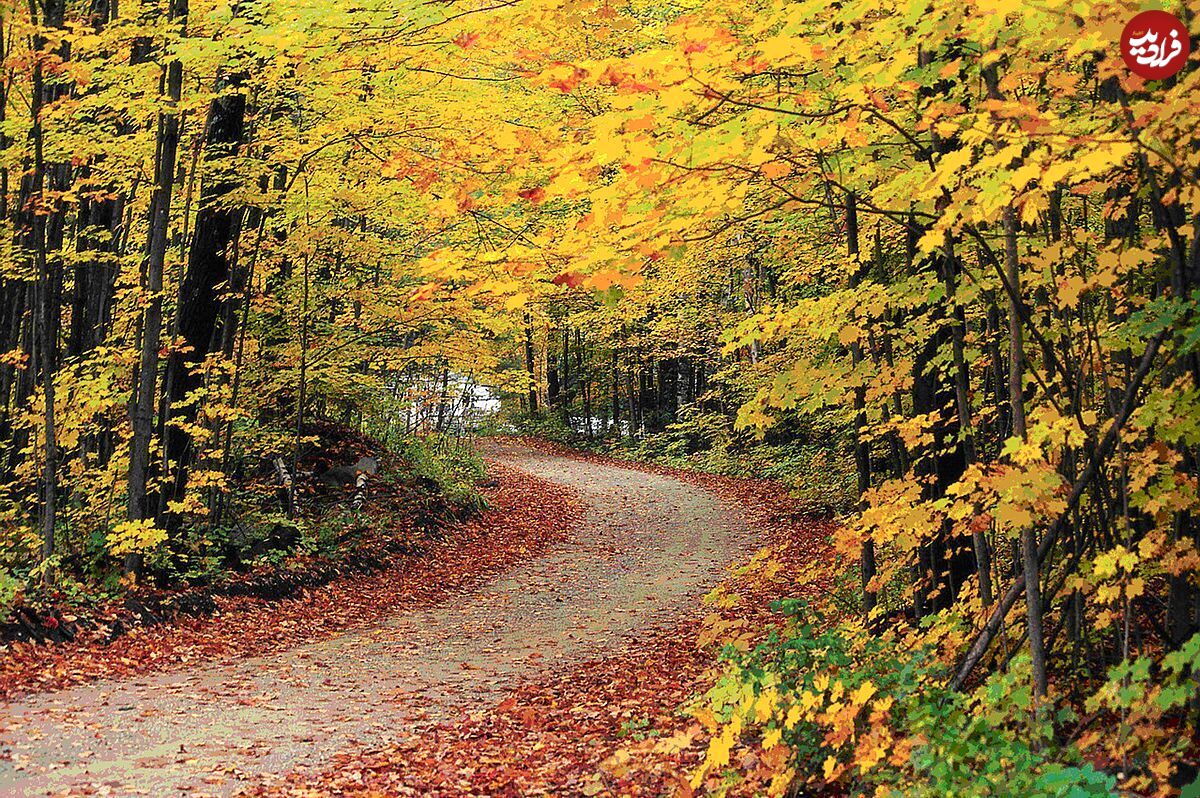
[936, 266]
[978, 233]
[211, 239]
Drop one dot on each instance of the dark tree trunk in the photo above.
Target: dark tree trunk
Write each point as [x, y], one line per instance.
[533, 394]
[584, 393]
[141, 409]
[946, 563]
[668, 392]
[94, 280]
[962, 384]
[208, 268]
[41, 222]
[862, 448]
[616, 392]
[1029, 543]
[568, 382]
[552, 387]
[443, 400]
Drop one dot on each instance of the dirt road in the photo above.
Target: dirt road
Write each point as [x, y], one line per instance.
[649, 548]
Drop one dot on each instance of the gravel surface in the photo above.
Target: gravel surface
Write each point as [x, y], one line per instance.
[649, 548]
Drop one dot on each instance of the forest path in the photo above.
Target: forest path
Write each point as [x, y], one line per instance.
[648, 548]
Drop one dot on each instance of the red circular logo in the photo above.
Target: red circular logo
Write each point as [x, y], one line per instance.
[1155, 45]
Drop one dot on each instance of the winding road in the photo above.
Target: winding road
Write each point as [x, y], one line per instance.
[650, 546]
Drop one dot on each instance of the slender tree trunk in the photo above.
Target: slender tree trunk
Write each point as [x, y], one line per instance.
[146, 381]
[616, 392]
[1029, 544]
[584, 393]
[568, 385]
[962, 378]
[302, 376]
[529, 369]
[862, 449]
[443, 400]
[631, 399]
[42, 223]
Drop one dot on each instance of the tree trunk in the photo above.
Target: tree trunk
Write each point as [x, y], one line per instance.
[962, 378]
[568, 385]
[1029, 545]
[41, 223]
[862, 449]
[552, 387]
[208, 268]
[146, 378]
[443, 400]
[533, 393]
[616, 393]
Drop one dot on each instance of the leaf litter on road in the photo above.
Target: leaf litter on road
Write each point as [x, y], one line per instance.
[526, 515]
[613, 725]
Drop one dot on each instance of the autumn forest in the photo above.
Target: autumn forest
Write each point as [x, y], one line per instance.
[590, 397]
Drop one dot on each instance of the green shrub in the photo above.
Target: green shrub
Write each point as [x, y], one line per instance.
[10, 590]
[450, 463]
[862, 712]
[548, 426]
[810, 461]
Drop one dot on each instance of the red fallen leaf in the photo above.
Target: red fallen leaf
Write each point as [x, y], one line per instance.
[695, 47]
[568, 732]
[465, 40]
[515, 527]
[535, 195]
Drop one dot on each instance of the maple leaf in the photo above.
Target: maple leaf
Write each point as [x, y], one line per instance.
[774, 170]
[535, 195]
[612, 76]
[569, 279]
[465, 39]
[569, 81]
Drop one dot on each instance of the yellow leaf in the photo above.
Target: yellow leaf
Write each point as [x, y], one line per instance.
[849, 334]
[862, 693]
[776, 169]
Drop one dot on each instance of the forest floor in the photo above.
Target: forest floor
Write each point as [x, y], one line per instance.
[437, 695]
